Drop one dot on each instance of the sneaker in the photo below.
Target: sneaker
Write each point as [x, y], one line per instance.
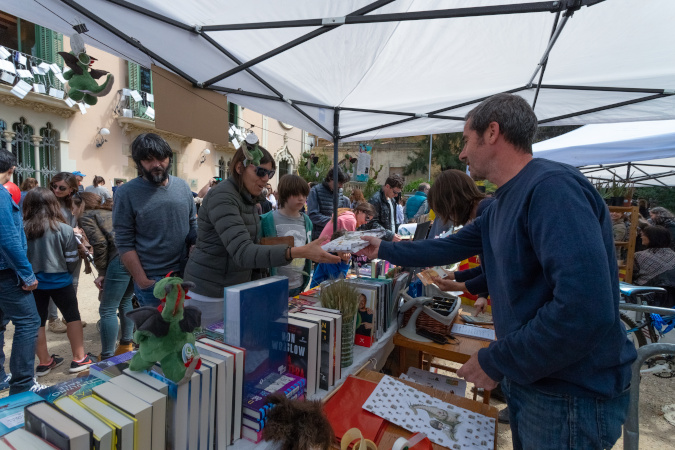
[37, 387]
[57, 326]
[4, 384]
[88, 360]
[44, 369]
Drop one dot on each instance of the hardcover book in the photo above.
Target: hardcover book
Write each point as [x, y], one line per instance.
[48, 422]
[256, 405]
[11, 410]
[327, 344]
[302, 346]
[256, 315]
[77, 387]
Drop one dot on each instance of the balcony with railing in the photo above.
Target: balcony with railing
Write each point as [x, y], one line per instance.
[32, 79]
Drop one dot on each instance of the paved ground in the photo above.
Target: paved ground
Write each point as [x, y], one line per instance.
[655, 431]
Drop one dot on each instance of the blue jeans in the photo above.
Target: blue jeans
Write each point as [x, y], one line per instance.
[117, 292]
[145, 297]
[19, 306]
[541, 420]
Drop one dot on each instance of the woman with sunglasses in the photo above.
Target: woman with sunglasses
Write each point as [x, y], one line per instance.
[64, 186]
[52, 251]
[227, 249]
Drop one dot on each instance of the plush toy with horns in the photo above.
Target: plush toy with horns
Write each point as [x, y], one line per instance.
[165, 333]
[82, 85]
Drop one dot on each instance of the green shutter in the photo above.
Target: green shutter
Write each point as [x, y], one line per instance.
[233, 113]
[134, 76]
[49, 44]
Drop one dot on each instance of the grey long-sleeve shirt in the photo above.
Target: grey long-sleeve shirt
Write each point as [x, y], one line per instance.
[154, 221]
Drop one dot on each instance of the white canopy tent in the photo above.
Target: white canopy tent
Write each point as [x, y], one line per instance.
[641, 152]
[366, 69]
[354, 70]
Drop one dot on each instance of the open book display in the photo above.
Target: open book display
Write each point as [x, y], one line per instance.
[351, 241]
[444, 424]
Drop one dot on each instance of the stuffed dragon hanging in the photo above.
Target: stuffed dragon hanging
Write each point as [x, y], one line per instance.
[165, 333]
[82, 85]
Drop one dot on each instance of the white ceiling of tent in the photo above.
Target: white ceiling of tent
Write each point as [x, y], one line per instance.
[413, 67]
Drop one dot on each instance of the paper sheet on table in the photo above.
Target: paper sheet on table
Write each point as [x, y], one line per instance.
[443, 423]
[473, 331]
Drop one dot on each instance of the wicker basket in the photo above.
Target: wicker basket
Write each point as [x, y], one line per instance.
[426, 322]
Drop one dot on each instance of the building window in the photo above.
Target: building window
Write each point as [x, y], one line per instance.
[284, 168]
[3, 140]
[222, 167]
[31, 39]
[233, 113]
[49, 154]
[24, 150]
[140, 79]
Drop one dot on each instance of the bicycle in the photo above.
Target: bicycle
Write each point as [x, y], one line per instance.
[652, 324]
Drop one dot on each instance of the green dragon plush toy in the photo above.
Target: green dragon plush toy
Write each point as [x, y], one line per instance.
[165, 333]
[252, 155]
[81, 80]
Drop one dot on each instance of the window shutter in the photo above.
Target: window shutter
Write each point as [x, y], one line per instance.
[134, 76]
[49, 44]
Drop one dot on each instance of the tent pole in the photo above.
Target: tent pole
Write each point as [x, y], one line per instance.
[543, 69]
[336, 188]
[628, 171]
[603, 108]
[431, 140]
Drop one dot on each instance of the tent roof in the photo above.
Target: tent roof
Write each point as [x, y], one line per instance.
[643, 152]
[395, 67]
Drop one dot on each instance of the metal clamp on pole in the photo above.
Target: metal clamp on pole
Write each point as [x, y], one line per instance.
[328, 21]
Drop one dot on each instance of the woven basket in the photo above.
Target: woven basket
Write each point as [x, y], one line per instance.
[426, 322]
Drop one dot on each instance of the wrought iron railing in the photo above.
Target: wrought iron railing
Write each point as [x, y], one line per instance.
[128, 107]
[42, 77]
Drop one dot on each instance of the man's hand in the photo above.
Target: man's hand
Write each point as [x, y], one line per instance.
[480, 305]
[30, 287]
[314, 252]
[99, 282]
[372, 249]
[396, 238]
[472, 372]
[446, 284]
[144, 284]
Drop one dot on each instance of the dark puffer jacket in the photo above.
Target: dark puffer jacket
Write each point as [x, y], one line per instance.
[379, 201]
[226, 251]
[98, 227]
[320, 207]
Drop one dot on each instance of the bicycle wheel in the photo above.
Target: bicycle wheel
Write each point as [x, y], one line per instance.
[637, 337]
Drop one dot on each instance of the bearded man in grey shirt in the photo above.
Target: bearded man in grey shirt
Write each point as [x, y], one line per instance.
[154, 217]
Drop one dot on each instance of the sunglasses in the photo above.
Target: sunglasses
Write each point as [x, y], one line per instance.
[261, 172]
[60, 188]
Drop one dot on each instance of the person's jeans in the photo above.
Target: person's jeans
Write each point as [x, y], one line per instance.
[117, 292]
[145, 297]
[19, 306]
[541, 420]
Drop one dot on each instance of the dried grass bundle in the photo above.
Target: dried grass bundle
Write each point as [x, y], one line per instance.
[342, 296]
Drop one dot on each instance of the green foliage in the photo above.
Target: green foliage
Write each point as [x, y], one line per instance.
[490, 188]
[445, 152]
[657, 196]
[414, 184]
[372, 186]
[315, 172]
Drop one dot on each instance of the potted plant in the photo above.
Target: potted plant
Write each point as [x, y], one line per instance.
[342, 296]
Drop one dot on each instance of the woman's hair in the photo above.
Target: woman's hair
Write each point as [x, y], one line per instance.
[357, 196]
[28, 184]
[71, 181]
[41, 209]
[290, 185]
[453, 196]
[659, 237]
[97, 181]
[239, 158]
[662, 215]
[89, 199]
[366, 208]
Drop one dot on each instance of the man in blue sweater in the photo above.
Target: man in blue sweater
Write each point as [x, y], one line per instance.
[561, 352]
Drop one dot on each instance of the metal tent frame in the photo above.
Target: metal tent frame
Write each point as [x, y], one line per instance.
[563, 10]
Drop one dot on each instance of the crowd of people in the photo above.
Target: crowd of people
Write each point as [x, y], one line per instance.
[562, 357]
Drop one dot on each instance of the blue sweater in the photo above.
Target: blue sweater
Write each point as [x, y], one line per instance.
[327, 271]
[549, 258]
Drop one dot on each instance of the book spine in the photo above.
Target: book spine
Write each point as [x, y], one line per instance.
[251, 435]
